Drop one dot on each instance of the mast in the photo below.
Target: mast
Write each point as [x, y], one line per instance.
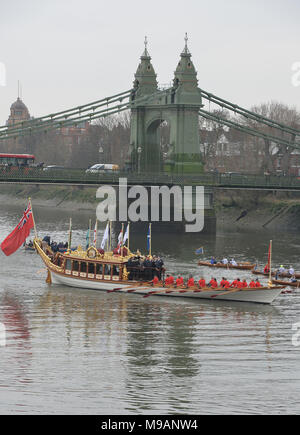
[270, 271]
[35, 231]
[70, 235]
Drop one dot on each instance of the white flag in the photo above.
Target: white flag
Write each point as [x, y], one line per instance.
[105, 237]
[126, 235]
[120, 238]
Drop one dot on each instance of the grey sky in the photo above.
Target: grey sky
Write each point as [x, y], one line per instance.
[71, 52]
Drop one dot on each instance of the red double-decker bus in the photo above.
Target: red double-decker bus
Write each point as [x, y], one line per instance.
[16, 161]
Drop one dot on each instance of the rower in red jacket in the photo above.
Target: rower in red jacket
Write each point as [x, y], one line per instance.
[234, 283]
[257, 283]
[191, 282]
[252, 284]
[169, 280]
[244, 283]
[239, 283]
[202, 283]
[179, 281]
[155, 280]
[222, 283]
[226, 284]
[213, 283]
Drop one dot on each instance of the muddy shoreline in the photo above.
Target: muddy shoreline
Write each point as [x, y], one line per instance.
[265, 210]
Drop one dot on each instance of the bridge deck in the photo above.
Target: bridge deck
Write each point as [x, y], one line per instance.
[80, 177]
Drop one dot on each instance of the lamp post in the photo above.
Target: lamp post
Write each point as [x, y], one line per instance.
[101, 151]
[139, 150]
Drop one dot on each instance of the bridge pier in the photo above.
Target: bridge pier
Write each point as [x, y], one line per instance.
[172, 208]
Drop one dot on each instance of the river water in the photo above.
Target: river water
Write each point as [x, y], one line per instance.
[72, 351]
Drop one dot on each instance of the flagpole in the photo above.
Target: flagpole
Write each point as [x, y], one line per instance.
[35, 231]
[70, 234]
[128, 244]
[107, 241]
[150, 250]
[270, 272]
[110, 230]
[122, 240]
[95, 236]
[90, 230]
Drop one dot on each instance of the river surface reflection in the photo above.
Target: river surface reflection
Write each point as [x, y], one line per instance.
[80, 351]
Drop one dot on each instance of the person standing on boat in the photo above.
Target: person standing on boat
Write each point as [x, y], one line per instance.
[158, 267]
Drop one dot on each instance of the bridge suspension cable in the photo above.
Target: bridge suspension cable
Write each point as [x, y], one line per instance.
[248, 130]
[73, 116]
[248, 114]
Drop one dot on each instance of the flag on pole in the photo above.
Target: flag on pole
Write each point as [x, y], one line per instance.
[149, 240]
[18, 236]
[105, 236]
[200, 251]
[126, 235]
[120, 239]
[95, 233]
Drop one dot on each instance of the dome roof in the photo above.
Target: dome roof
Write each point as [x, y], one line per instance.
[18, 105]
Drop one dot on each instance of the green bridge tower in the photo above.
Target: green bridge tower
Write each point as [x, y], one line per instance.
[178, 106]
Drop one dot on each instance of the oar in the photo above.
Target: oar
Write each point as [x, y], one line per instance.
[226, 293]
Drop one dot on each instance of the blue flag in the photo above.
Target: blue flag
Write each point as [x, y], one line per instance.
[149, 239]
[200, 251]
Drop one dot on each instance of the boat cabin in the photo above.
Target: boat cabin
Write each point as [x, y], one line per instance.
[91, 266]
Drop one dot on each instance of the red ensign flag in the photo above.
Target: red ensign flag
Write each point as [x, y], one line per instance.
[19, 234]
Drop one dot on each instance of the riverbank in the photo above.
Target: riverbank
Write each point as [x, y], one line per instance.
[265, 210]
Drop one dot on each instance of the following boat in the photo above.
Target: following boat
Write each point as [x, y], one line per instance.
[90, 269]
[279, 275]
[286, 283]
[240, 266]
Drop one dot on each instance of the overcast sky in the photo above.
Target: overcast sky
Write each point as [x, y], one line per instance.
[70, 52]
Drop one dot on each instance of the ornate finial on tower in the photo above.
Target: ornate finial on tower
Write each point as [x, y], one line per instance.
[146, 53]
[186, 50]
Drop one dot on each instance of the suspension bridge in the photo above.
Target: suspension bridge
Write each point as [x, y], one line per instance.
[180, 105]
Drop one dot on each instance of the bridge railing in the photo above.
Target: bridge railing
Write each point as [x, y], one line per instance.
[80, 176]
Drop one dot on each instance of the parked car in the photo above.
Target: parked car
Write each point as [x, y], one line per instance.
[52, 168]
[101, 168]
